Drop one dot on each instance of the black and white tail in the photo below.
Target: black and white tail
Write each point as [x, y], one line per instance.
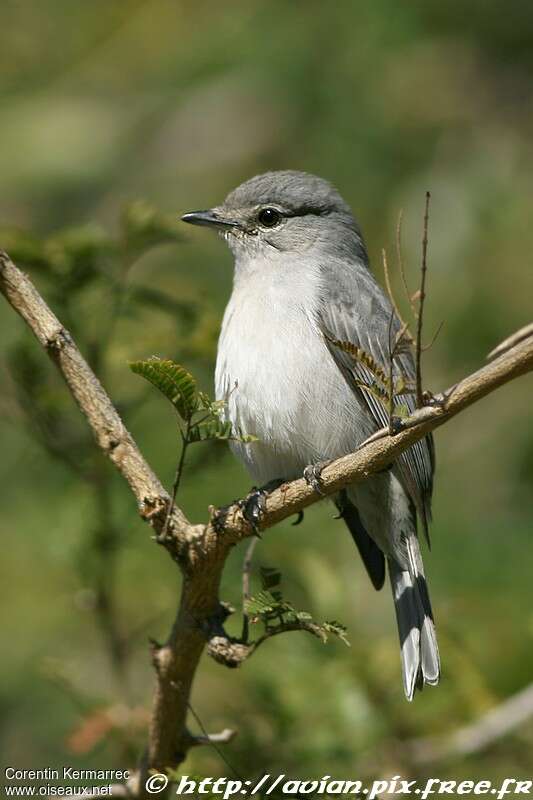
[419, 650]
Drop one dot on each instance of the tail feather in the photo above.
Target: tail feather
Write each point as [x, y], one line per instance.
[371, 555]
[419, 650]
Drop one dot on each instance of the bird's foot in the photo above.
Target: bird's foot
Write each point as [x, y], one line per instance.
[435, 400]
[253, 505]
[299, 518]
[312, 475]
[219, 517]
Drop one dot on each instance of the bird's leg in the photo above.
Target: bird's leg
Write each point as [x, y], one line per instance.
[299, 518]
[312, 475]
[253, 505]
[219, 516]
[431, 399]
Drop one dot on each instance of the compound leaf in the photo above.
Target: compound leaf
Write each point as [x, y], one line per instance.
[172, 380]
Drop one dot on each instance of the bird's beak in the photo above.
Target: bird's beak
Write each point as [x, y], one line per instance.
[212, 218]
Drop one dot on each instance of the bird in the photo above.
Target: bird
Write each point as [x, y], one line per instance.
[302, 286]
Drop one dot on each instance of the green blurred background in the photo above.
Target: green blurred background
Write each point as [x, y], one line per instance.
[173, 103]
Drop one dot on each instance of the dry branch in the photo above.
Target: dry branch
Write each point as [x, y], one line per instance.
[201, 550]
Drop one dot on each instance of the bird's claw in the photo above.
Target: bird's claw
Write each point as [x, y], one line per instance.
[299, 518]
[253, 508]
[436, 400]
[219, 517]
[312, 475]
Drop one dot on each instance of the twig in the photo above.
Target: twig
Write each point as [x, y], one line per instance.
[392, 299]
[285, 627]
[201, 550]
[214, 740]
[392, 349]
[225, 736]
[177, 479]
[246, 571]
[430, 344]
[420, 314]
[400, 262]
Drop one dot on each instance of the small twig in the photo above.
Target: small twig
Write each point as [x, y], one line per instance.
[421, 300]
[391, 376]
[177, 478]
[511, 341]
[393, 351]
[225, 736]
[433, 338]
[400, 262]
[392, 299]
[213, 740]
[246, 574]
[284, 627]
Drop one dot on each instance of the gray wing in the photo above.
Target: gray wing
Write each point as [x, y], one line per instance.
[355, 309]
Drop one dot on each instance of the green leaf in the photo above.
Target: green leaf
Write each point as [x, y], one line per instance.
[379, 393]
[245, 438]
[337, 629]
[212, 429]
[270, 577]
[172, 380]
[361, 356]
[261, 605]
[403, 386]
[401, 410]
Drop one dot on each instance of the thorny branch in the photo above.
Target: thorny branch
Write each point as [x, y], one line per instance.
[201, 550]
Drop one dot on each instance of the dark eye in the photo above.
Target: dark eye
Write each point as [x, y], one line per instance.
[269, 217]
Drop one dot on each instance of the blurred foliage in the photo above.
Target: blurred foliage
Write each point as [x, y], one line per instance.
[278, 615]
[177, 102]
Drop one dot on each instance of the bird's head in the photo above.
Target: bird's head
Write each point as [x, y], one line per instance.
[284, 212]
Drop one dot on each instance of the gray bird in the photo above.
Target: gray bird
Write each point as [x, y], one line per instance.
[301, 282]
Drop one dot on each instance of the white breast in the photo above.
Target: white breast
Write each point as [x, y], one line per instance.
[279, 381]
